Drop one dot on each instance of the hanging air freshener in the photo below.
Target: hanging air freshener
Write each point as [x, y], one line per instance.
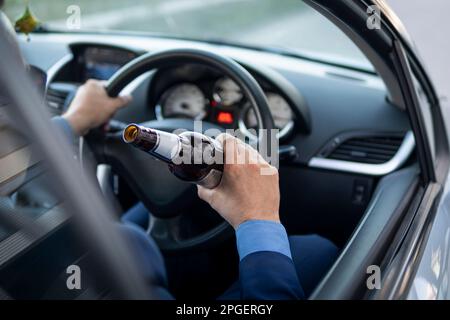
[27, 23]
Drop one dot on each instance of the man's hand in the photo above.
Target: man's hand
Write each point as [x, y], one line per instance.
[92, 107]
[244, 193]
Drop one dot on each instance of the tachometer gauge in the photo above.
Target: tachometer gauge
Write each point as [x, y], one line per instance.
[281, 113]
[184, 100]
[227, 92]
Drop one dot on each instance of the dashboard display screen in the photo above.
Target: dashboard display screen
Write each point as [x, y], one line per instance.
[102, 63]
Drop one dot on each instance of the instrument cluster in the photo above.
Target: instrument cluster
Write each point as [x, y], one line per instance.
[223, 103]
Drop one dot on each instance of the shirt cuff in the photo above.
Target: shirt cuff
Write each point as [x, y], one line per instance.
[261, 235]
[65, 127]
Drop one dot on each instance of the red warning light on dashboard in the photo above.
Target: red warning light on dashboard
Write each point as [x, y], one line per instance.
[225, 117]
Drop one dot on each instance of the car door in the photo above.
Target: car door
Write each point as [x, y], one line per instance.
[411, 260]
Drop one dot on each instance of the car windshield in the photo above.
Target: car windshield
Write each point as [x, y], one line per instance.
[288, 26]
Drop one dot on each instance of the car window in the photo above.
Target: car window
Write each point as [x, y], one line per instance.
[288, 25]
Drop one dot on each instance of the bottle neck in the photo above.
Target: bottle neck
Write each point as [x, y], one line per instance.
[163, 145]
[188, 148]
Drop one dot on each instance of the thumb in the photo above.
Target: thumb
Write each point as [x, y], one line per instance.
[204, 193]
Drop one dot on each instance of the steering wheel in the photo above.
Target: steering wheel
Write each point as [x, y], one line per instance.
[164, 195]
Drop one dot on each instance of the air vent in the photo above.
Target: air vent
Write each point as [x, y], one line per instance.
[369, 150]
[57, 95]
[56, 100]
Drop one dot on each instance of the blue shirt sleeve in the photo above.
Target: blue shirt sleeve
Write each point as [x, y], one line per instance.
[260, 235]
[65, 127]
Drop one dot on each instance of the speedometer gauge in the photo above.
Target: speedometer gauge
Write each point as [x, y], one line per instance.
[227, 92]
[184, 100]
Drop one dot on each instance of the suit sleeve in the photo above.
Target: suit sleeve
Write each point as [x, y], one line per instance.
[266, 269]
[65, 128]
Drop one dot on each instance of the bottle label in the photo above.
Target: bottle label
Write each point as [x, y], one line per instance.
[168, 145]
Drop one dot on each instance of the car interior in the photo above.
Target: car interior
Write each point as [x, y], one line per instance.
[347, 155]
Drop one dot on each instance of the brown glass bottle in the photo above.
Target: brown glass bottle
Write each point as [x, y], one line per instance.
[191, 156]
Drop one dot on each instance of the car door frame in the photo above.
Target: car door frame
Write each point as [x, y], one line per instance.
[391, 52]
[401, 265]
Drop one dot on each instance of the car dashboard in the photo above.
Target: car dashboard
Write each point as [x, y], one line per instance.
[346, 133]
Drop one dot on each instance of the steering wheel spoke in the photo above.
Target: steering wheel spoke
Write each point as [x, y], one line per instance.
[168, 234]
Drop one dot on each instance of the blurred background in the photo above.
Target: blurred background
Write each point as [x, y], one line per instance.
[286, 24]
[427, 23]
